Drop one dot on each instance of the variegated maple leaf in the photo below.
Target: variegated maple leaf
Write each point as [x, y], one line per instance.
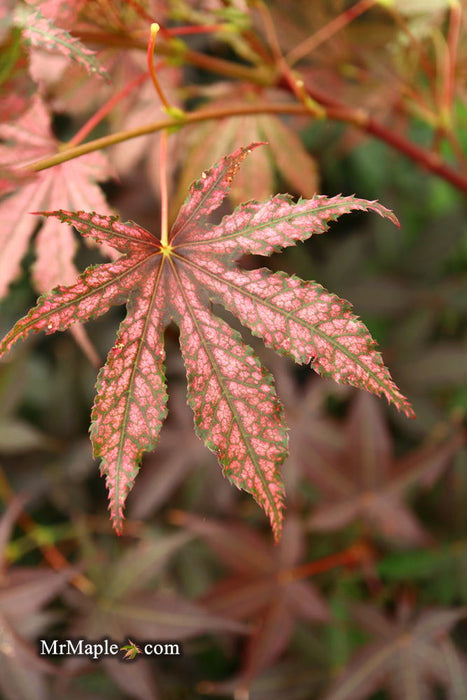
[286, 153]
[237, 412]
[40, 31]
[70, 184]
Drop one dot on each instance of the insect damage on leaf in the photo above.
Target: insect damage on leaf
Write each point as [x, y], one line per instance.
[237, 412]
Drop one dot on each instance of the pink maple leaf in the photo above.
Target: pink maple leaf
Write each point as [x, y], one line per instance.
[72, 184]
[237, 412]
[286, 154]
[40, 32]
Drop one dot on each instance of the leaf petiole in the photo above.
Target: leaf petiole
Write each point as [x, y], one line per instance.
[152, 71]
[164, 193]
[172, 112]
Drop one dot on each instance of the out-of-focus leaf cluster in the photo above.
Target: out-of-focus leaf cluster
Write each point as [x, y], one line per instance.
[365, 598]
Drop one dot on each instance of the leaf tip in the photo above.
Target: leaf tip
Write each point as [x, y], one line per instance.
[255, 144]
[399, 401]
[409, 412]
[58, 213]
[277, 528]
[117, 517]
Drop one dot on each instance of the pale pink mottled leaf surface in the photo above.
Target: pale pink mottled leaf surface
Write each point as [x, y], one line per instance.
[69, 185]
[206, 142]
[237, 412]
[72, 185]
[236, 408]
[40, 31]
[130, 405]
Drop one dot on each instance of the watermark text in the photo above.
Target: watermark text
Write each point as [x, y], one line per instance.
[95, 650]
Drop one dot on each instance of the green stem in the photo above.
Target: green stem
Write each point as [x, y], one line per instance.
[430, 161]
[153, 127]
[177, 50]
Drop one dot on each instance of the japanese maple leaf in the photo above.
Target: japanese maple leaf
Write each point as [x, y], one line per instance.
[237, 412]
[37, 20]
[409, 657]
[260, 587]
[361, 479]
[286, 153]
[73, 183]
[29, 139]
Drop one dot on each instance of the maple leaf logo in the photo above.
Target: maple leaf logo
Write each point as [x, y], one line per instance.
[237, 412]
[131, 650]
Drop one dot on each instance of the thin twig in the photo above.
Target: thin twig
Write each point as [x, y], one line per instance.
[51, 554]
[359, 118]
[103, 111]
[326, 32]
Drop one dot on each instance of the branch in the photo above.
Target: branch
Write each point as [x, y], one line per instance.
[153, 127]
[362, 120]
[264, 77]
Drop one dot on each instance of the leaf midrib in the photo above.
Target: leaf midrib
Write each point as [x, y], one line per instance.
[73, 302]
[259, 227]
[226, 394]
[88, 226]
[141, 340]
[289, 314]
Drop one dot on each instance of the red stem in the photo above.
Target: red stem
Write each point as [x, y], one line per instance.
[326, 32]
[103, 111]
[450, 59]
[358, 553]
[164, 193]
[155, 28]
[426, 159]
